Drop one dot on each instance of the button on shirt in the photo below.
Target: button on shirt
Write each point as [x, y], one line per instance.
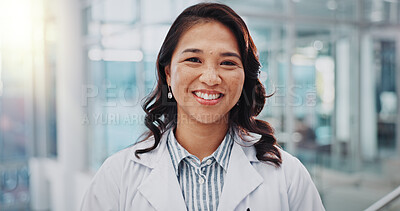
[201, 182]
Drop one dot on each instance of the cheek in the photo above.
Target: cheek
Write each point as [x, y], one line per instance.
[236, 82]
[180, 79]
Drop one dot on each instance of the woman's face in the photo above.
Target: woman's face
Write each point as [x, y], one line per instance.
[206, 73]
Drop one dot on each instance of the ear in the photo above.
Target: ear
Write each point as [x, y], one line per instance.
[167, 70]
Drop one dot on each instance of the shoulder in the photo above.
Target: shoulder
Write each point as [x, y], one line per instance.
[128, 160]
[118, 174]
[247, 142]
[302, 193]
[290, 172]
[289, 161]
[117, 161]
[127, 156]
[289, 165]
[123, 164]
[293, 169]
[113, 167]
[106, 184]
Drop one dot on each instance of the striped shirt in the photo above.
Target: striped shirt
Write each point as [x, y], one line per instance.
[201, 182]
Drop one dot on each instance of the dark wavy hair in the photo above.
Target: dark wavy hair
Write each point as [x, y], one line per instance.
[161, 112]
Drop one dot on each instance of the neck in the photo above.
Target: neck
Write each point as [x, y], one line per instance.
[200, 139]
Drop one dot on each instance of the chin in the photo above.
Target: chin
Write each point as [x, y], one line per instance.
[210, 118]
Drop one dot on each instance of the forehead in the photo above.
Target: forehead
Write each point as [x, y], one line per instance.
[208, 34]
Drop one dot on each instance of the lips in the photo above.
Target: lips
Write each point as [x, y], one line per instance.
[206, 97]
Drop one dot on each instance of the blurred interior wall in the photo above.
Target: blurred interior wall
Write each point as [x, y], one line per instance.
[55, 182]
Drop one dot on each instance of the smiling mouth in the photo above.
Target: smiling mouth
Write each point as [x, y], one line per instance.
[206, 96]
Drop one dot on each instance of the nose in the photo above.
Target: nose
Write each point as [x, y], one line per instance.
[210, 76]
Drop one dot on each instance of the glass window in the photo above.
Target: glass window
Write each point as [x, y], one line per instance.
[329, 9]
[270, 39]
[381, 11]
[256, 6]
[313, 90]
[114, 113]
[386, 95]
[115, 11]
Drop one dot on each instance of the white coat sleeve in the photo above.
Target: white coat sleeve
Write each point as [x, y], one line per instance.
[302, 193]
[103, 192]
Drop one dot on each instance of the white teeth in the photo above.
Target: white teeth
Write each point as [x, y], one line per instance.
[207, 96]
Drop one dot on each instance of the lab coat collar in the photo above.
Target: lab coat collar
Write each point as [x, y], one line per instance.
[241, 178]
[162, 188]
[246, 141]
[149, 159]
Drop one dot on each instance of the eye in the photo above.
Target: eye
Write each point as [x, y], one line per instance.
[193, 59]
[228, 63]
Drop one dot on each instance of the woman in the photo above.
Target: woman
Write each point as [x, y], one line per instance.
[205, 150]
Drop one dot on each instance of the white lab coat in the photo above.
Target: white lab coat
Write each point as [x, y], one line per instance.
[125, 182]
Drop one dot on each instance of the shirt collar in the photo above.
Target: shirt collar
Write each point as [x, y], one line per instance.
[221, 154]
[177, 152]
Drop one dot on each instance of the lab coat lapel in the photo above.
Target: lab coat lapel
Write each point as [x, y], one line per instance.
[241, 179]
[162, 188]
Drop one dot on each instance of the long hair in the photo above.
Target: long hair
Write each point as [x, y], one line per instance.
[161, 112]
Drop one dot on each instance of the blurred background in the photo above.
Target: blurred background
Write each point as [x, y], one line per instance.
[73, 74]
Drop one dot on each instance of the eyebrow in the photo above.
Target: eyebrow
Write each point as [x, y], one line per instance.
[225, 54]
[192, 50]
